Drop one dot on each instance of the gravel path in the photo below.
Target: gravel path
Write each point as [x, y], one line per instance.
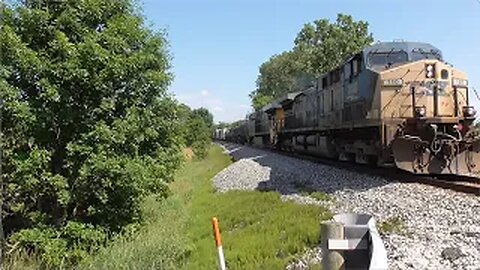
[441, 228]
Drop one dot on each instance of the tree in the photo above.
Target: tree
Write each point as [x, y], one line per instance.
[222, 125]
[319, 47]
[322, 45]
[199, 128]
[198, 135]
[277, 76]
[205, 115]
[196, 129]
[88, 126]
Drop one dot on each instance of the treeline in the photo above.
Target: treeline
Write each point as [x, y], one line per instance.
[89, 128]
[318, 48]
[230, 125]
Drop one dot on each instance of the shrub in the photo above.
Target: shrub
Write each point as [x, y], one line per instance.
[198, 127]
[63, 247]
[88, 127]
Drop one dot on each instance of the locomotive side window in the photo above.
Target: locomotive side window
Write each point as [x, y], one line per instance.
[335, 76]
[355, 68]
[331, 100]
[348, 71]
[359, 63]
[322, 104]
[324, 83]
[444, 74]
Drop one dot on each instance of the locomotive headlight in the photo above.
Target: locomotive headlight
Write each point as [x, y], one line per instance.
[469, 111]
[393, 82]
[459, 82]
[420, 111]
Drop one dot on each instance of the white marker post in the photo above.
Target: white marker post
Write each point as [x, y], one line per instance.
[218, 243]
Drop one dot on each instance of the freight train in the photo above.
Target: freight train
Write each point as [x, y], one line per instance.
[394, 103]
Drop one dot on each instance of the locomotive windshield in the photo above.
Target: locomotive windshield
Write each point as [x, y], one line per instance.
[420, 54]
[387, 58]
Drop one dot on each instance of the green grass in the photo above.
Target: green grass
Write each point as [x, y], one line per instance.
[306, 189]
[321, 196]
[159, 244]
[392, 225]
[162, 243]
[259, 231]
[21, 261]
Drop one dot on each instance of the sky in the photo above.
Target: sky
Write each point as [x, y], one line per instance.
[218, 45]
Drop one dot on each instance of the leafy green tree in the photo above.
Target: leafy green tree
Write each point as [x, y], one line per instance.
[198, 135]
[277, 76]
[88, 126]
[196, 128]
[322, 45]
[222, 125]
[199, 127]
[319, 47]
[205, 115]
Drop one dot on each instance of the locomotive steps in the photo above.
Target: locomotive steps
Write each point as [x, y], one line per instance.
[423, 227]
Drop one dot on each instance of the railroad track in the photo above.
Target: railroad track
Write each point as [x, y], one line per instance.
[464, 184]
[469, 185]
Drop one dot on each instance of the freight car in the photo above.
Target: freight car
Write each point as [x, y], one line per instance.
[220, 134]
[239, 132]
[391, 103]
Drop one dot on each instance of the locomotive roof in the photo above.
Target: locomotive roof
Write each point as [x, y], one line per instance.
[401, 46]
[380, 47]
[278, 103]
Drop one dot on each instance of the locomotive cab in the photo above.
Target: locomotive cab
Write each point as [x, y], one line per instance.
[423, 105]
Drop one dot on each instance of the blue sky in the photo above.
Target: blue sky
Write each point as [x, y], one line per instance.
[218, 45]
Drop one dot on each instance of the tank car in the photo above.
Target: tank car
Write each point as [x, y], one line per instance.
[392, 103]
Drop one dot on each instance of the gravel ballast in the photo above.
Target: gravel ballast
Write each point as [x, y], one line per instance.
[440, 228]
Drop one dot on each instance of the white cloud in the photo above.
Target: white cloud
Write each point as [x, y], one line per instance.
[222, 110]
[202, 99]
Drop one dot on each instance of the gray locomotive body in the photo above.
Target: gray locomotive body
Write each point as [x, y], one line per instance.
[393, 102]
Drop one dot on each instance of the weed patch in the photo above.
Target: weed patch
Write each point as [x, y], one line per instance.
[392, 225]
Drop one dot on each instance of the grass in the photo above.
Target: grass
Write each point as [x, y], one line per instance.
[159, 244]
[163, 242]
[259, 231]
[306, 189]
[392, 225]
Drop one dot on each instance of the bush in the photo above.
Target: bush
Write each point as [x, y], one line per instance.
[63, 247]
[198, 127]
[89, 128]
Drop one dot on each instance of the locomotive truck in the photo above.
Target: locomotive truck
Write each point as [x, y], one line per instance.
[391, 103]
